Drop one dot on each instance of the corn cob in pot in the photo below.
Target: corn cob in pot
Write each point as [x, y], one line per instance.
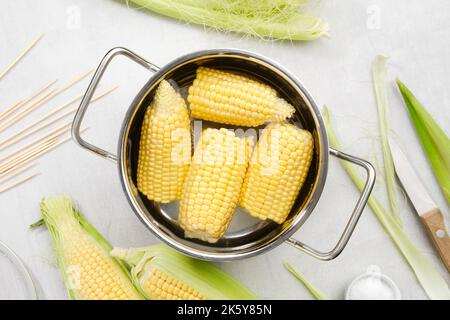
[277, 171]
[229, 98]
[213, 183]
[165, 274]
[165, 146]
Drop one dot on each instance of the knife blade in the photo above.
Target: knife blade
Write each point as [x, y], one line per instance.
[411, 183]
[422, 202]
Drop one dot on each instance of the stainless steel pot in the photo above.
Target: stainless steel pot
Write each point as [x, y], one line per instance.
[254, 237]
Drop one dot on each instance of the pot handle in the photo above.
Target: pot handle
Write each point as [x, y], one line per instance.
[357, 211]
[90, 92]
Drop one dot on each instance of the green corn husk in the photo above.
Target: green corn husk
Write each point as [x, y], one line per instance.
[279, 19]
[88, 271]
[432, 282]
[308, 285]
[205, 278]
[379, 85]
[434, 140]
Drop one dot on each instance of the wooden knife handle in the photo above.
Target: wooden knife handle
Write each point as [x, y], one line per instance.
[434, 223]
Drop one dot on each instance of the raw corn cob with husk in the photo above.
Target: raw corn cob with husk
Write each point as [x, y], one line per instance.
[277, 171]
[271, 19]
[226, 97]
[212, 186]
[165, 274]
[165, 146]
[89, 272]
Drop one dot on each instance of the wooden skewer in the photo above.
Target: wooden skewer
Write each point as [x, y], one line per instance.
[53, 134]
[19, 104]
[75, 81]
[22, 152]
[42, 101]
[25, 160]
[48, 115]
[101, 95]
[22, 134]
[10, 165]
[18, 183]
[11, 109]
[29, 148]
[21, 56]
[14, 173]
[27, 110]
[68, 104]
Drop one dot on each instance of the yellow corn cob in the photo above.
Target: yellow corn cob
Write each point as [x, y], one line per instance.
[212, 186]
[277, 171]
[162, 273]
[89, 272]
[234, 99]
[161, 286]
[94, 274]
[165, 146]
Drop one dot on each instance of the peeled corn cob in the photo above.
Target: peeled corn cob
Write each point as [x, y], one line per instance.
[165, 146]
[164, 274]
[212, 186]
[225, 97]
[89, 272]
[277, 170]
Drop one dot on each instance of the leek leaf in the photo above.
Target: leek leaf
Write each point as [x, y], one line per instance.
[432, 282]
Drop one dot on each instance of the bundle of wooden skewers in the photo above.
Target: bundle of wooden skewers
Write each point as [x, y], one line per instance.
[23, 142]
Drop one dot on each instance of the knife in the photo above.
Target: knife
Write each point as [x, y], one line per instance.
[426, 208]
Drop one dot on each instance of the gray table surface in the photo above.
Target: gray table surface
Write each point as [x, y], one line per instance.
[414, 34]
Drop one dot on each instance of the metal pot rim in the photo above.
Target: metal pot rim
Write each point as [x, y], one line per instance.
[320, 179]
[301, 216]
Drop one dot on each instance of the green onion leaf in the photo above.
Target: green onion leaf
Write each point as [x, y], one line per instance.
[432, 282]
[278, 19]
[316, 293]
[379, 86]
[434, 140]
